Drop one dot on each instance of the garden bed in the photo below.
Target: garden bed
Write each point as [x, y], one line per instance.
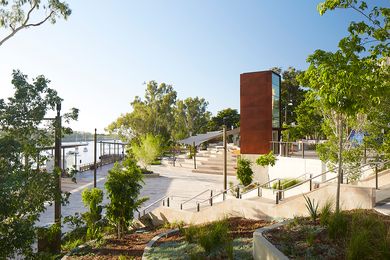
[130, 246]
[348, 235]
[178, 246]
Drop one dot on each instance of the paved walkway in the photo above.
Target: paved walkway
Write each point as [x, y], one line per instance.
[177, 182]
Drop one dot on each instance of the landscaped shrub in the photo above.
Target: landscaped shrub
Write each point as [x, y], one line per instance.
[91, 199]
[266, 159]
[326, 212]
[214, 237]
[285, 183]
[124, 184]
[244, 172]
[191, 233]
[312, 208]
[338, 226]
[369, 238]
[47, 238]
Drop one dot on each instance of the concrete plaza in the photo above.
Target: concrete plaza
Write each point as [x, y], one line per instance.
[178, 183]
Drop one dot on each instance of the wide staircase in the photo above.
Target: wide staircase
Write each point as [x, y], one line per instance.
[271, 201]
[208, 161]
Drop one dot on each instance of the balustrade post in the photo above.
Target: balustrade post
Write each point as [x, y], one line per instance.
[376, 176]
[198, 207]
[311, 182]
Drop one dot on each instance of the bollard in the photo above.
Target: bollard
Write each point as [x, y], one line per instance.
[181, 206]
[277, 198]
[259, 191]
[198, 207]
[211, 198]
[168, 202]
[223, 195]
[311, 182]
[238, 193]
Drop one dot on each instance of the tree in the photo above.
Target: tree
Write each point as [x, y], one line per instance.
[153, 115]
[191, 117]
[229, 117]
[148, 149]
[24, 188]
[309, 120]
[349, 81]
[124, 184]
[160, 114]
[18, 15]
[292, 94]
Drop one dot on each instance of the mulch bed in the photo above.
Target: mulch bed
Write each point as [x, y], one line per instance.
[239, 228]
[132, 245]
[292, 239]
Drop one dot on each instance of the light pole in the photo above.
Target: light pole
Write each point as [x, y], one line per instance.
[285, 111]
[58, 173]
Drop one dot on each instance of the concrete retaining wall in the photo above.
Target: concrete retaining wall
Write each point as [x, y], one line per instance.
[352, 197]
[263, 249]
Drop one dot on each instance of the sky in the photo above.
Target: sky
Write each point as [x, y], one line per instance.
[99, 59]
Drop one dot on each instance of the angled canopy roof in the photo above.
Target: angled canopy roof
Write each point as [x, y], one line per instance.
[201, 138]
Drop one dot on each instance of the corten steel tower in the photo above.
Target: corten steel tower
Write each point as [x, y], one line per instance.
[260, 111]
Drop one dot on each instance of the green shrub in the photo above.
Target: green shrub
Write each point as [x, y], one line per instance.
[285, 183]
[368, 239]
[214, 237]
[91, 199]
[123, 185]
[244, 172]
[326, 212]
[191, 233]
[266, 159]
[312, 208]
[338, 226]
[48, 238]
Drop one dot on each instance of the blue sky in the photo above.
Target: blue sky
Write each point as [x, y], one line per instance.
[99, 58]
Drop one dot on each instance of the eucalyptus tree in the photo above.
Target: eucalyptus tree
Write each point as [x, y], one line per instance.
[16, 15]
[191, 117]
[24, 188]
[151, 115]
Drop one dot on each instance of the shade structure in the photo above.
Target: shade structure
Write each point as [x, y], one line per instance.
[201, 138]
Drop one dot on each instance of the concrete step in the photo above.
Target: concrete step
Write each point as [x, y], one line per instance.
[216, 172]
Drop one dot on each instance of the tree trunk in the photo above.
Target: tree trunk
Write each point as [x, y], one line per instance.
[340, 161]
[119, 229]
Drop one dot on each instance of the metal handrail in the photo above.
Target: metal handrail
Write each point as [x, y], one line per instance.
[190, 199]
[314, 177]
[258, 185]
[293, 179]
[152, 204]
[222, 192]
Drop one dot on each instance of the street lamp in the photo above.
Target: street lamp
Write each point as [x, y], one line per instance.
[285, 111]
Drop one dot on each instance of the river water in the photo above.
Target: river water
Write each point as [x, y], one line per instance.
[85, 154]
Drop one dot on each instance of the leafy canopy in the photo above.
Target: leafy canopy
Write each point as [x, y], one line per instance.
[148, 149]
[23, 188]
[16, 15]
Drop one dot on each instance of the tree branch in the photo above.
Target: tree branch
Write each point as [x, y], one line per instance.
[365, 15]
[25, 25]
